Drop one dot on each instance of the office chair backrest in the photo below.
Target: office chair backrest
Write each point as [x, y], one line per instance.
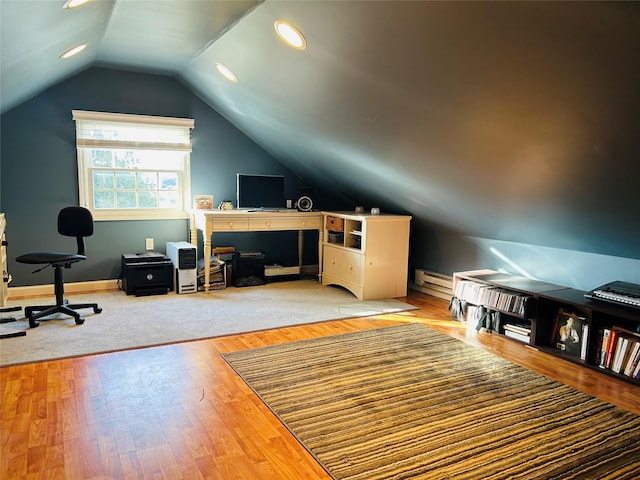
[76, 222]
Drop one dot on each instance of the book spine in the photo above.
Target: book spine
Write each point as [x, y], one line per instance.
[610, 348]
[606, 338]
[626, 357]
[633, 359]
[636, 371]
[619, 355]
[585, 335]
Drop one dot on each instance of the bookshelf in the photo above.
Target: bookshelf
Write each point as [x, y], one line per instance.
[554, 319]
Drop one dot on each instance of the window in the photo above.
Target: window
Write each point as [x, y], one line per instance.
[133, 167]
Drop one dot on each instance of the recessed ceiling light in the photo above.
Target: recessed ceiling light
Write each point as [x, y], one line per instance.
[73, 51]
[290, 34]
[226, 72]
[74, 3]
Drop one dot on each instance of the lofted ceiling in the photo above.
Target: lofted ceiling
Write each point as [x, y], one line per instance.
[144, 35]
[510, 120]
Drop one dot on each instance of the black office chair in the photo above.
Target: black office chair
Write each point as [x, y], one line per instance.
[72, 222]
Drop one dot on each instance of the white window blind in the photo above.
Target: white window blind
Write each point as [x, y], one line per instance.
[133, 166]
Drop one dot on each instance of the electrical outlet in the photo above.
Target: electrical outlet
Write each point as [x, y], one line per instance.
[289, 203]
[148, 243]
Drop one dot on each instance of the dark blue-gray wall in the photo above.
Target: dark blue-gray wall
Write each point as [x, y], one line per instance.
[39, 176]
[39, 173]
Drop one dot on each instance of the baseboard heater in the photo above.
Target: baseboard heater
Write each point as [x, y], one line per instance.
[433, 283]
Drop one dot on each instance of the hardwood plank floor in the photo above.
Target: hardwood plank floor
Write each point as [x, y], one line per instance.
[180, 412]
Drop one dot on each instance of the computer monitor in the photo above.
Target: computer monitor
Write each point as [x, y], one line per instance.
[260, 191]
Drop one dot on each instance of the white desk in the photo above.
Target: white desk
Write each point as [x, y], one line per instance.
[210, 221]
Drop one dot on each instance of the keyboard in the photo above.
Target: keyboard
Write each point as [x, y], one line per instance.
[620, 293]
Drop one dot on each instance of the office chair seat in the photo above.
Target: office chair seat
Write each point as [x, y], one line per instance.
[40, 258]
[72, 222]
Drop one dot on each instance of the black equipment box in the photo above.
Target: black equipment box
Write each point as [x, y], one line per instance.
[149, 273]
[248, 269]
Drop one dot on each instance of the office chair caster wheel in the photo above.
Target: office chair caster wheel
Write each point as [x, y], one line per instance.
[79, 321]
[33, 323]
[97, 309]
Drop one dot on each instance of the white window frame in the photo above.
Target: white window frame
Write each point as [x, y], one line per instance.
[181, 126]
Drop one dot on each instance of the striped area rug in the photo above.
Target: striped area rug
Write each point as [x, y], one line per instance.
[409, 402]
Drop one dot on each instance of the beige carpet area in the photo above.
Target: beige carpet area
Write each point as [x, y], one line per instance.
[129, 322]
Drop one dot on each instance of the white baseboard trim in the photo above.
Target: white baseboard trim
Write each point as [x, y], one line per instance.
[77, 287]
[16, 293]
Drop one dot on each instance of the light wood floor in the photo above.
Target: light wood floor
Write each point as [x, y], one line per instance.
[180, 412]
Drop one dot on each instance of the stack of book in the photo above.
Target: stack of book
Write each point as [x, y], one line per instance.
[226, 255]
[518, 332]
[217, 274]
[620, 351]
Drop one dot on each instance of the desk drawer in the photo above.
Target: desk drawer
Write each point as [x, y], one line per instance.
[285, 223]
[228, 224]
[335, 224]
[343, 264]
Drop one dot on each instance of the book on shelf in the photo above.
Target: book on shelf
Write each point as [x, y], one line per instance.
[613, 337]
[636, 371]
[517, 336]
[518, 328]
[622, 350]
[604, 348]
[628, 356]
[633, 358]
[569, 332]
[585, 335]
[492, 297]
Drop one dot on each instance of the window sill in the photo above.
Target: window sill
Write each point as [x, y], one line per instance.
[110, 215]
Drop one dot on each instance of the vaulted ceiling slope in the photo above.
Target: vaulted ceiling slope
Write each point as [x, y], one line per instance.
[160, 37]
[510, 120]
